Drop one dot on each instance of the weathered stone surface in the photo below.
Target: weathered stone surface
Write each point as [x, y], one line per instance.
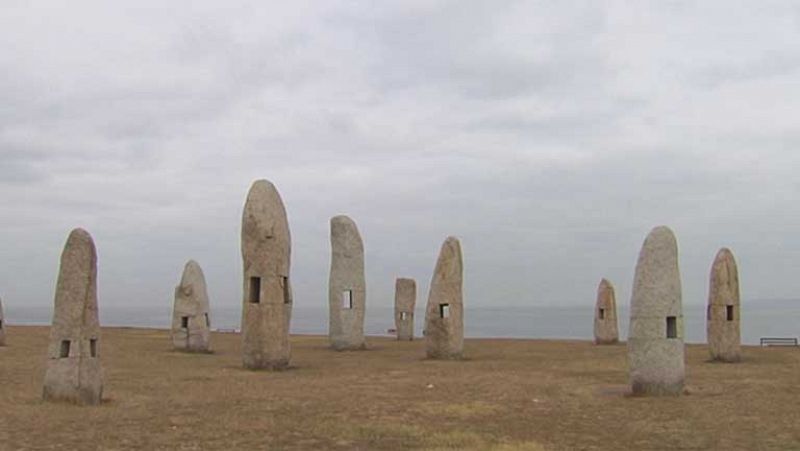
[405, 297]
[347, 291]
[605, 315]
[191, 324]
[2, 325]
[722, 328]
[444, 315]
[73, 371]
[267, 291]
[655, 339]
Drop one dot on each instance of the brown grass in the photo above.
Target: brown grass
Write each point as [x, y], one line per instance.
[509, 395]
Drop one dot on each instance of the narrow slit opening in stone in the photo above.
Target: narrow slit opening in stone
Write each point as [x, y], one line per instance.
[672, 327]
[64, 352]
[287, 298]
[185, 322]
[255, 290]
[93, 347]
[347, 299]
[602, 313]
[729, 312]
[208, 321]
[444, 310]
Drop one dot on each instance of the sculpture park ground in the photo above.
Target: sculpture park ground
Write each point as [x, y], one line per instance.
[506, 395]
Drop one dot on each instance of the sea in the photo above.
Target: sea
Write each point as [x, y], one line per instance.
[760, 318]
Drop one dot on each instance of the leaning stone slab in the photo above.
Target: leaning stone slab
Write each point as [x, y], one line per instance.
[405, 297]
[2, 326]
[73, 371]
[267, 292]
[724, 339]
[191, 324]
[655, 340]
[605, 315]
[347, 291]
[444, 314]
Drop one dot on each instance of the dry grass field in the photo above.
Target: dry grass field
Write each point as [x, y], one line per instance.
[509, 395]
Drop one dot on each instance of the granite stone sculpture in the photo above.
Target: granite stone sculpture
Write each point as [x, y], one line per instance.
[346, 286]
[405, 297]
[722, 328]
[191, 324]
[73, 371]
[605, 315]
[655, 339]
[267, 291]
[444, 314]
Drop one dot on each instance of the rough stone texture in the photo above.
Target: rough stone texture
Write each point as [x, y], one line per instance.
[73, 371]
[191, 324]
[267, 291]
[656, 362]
[2, 325]
[346, 327]
[444, 336]
[405, 297]
[605, 315]
[722, 328]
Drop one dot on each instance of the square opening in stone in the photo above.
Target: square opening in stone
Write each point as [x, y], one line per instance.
[672, 327]
[255, 290]
[185, 322]
[64, 352]
[287, 297]
[403, 316]
[93, 347]
[347, 299]
[602, 313]
[444, 310]
[729, 312]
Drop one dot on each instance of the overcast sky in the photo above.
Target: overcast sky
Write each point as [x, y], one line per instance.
[550, 137]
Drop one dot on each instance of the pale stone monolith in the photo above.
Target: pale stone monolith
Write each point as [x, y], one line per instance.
[267, 291]
[724, 339]
[191, 324]
[346, 286]
[444, 314]
[73, 371]
[605, 315]
[2, 326]
[405, 297]
[655, 340]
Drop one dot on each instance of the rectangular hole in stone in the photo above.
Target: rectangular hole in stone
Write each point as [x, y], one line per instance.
[93, 347]
[708, 312]
[403, 316]
[255, 290]
[64, 352]
[1, 323]
[672, 327]
[208, 321]
[185, 322]
[602, 314]
[347, 299]
[729, 312]
[444, 310]
[287, 298]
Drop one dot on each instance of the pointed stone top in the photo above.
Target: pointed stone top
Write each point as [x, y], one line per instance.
[345, 232]
[450, 261]
[79, 236]
[605, 283]
[191, 273]
[725, 253]
[661, 234]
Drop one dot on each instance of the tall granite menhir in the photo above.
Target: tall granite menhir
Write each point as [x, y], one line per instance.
[444, 315]
[73, 372]
[724, 339]
[346, 286]
[655, 339]
[605, 315]
[191, 325]
[405, 297]
[2, 326]
[267, 292]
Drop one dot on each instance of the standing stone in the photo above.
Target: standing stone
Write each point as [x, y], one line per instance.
[267, 292]
[73, 372]
[724, 340]
[605, 315]
[346, 287]
[655, 341]
[2, 326]
[191, 325]
[444, 315]
[405, 296]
